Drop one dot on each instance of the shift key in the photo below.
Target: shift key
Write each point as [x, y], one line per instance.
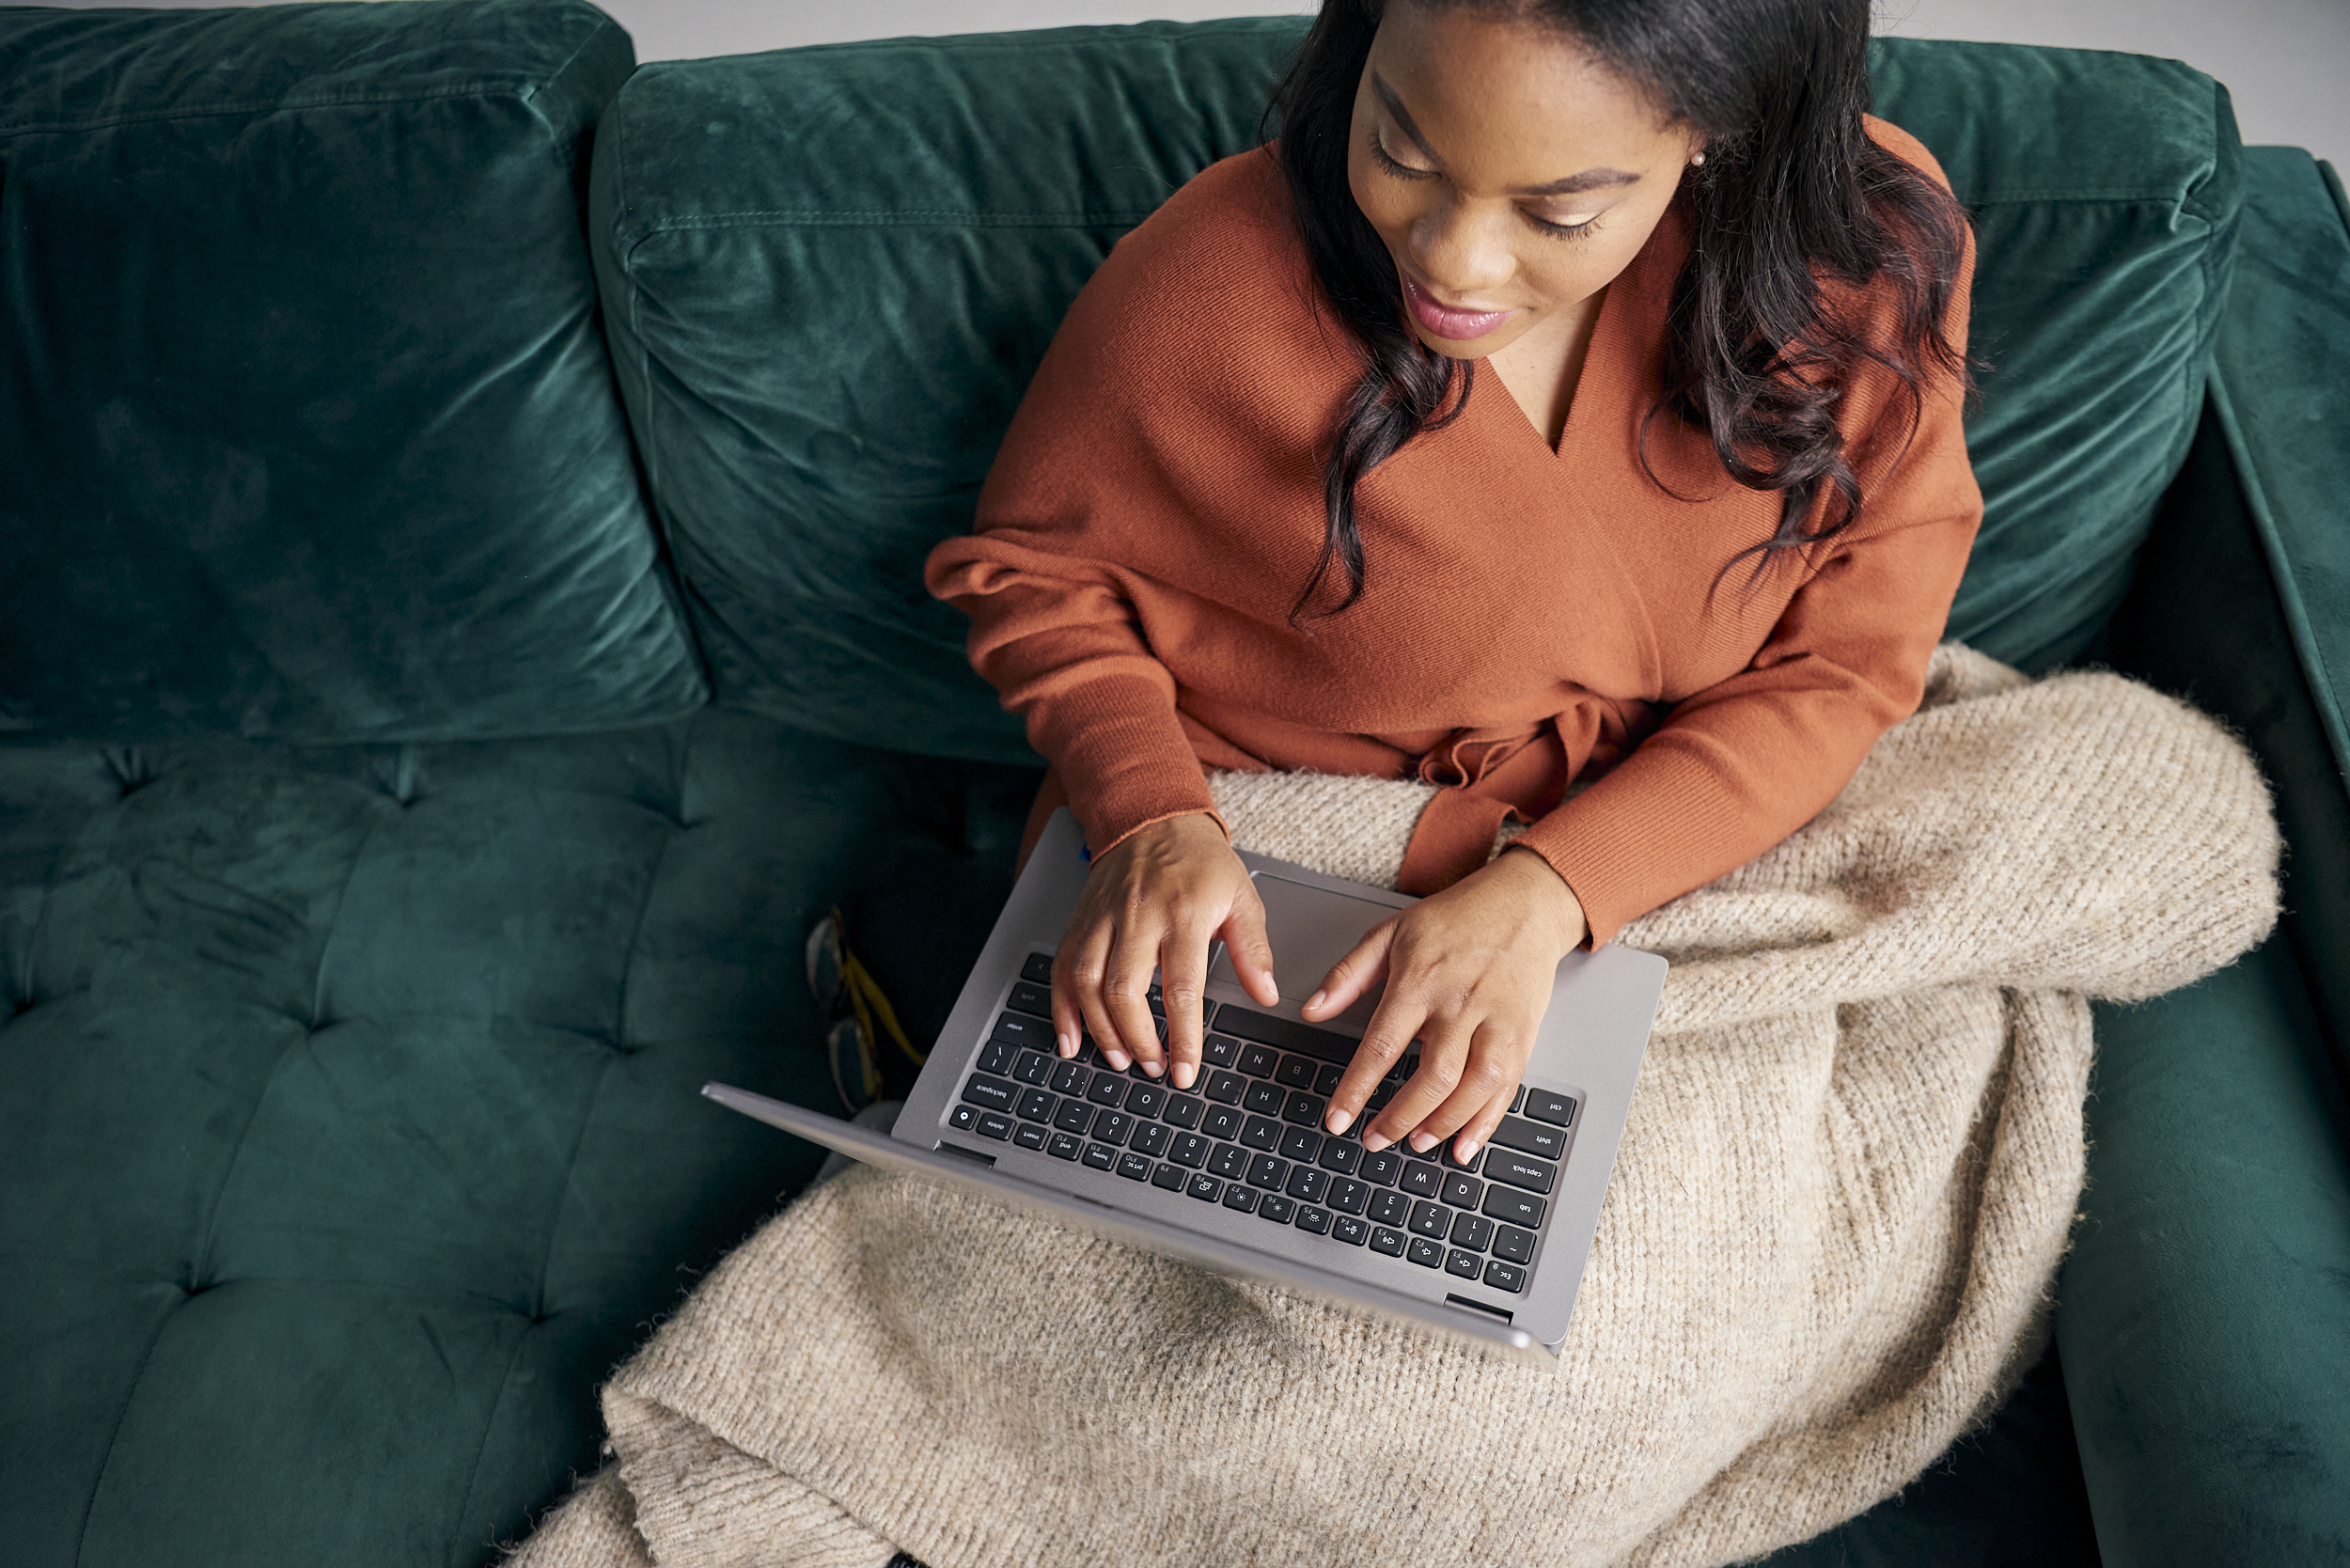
[1520, 1171]
[1530, 1138]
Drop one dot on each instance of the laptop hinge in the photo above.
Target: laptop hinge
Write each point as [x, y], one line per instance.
[972, 1154]
[1478, 1306]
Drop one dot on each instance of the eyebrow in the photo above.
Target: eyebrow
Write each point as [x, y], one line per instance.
[1590, 180]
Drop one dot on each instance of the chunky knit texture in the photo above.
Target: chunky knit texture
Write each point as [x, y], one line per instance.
[1828, 1250]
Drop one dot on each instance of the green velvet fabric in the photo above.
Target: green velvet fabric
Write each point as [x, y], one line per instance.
[307, 422]
[831, 272]
[2104, 190]
[2204, 1312]
[350, 1130]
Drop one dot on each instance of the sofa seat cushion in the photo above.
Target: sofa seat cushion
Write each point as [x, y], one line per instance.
[307, 421]
[349, 1124]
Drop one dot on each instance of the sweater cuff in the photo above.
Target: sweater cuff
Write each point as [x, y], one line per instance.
[1123, 759]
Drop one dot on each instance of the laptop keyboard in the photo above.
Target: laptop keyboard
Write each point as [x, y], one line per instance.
[1249, 1137]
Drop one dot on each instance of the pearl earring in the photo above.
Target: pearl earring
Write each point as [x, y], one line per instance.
[1696, 160]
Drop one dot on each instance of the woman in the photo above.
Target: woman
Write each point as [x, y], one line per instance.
[1564, 411]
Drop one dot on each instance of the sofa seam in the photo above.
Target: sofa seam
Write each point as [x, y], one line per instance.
[90, 1505]
[520, 86]
[481, 1450]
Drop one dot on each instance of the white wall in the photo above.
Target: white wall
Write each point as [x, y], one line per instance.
[2286, 62]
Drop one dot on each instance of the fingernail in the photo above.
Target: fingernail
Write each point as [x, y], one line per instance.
[1068, 1043]
[1314, 1000]
[1155, 1068]
[1118, 1059]
[1375, 1143]
[1338, 1122]
[1184, 1074]
[1468, 1151]
[1422, 1142]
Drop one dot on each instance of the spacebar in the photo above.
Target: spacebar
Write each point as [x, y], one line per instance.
[1283, 1033]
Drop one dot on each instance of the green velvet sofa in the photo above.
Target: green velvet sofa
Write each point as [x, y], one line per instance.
[460, 505]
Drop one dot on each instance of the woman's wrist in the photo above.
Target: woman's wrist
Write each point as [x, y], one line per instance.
[1553, 891]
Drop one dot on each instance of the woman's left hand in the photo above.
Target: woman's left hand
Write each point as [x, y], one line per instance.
[1469, 973]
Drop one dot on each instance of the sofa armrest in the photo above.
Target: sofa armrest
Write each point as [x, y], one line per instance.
[2205, 1315]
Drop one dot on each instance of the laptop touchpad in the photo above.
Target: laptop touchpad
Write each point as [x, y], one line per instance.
[1311, 929]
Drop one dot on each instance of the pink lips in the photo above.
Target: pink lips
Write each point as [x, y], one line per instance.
[1457, 326]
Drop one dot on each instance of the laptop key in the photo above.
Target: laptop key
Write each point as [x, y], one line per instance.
[1170, 1177]
[1184, 1111]
[1101, 1156]
[1301, 1143]
[1036, 969]
[1521, 1170]
[1028, 1136]
[964, 1119]
[1229, 1160]
[1146, 1100]
[1512, 1207]
[1257, 1061]
[1427, 1254]
[1111, 1127]
[1347, 1195]
[1513, 1244]
[1134, 1167]
[1327, 1080]
[1222, 1122]
[1032, 998]
[1219, 1050]
[1462, 1192]
[1268, 1172]
[1505, 1277]
[1190, 1150]
[1264, 1099]
[1543, 1106]
[991, 1093]
[1295, 1073]
[1353, 1232]
[1430, 1220]
[1035, 1105]
[1152, 1138]
[1261, 1133]
[1391, 1208]
[1241, 1197]
[1316, 1221]
[1073, 1116]
[1033, 1067]
[1065, 1146]
[1306, 1183]
[1422, 1179]
[1223, 1088]
[994, 1057]
[1342, 1156]
[1386, 1241]
[1468, 1265]
[1205, 1188]
[1107, 1089]
[1069, 1077]
[1472, 1231]
[1275, 1207]
[1304, 1109]
[1530, 1138]
[995, 1125]
[1018, 1028]
[1517, 1100]
[1287, 1034]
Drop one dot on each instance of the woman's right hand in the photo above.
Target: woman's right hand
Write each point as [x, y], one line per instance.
[1158, 901]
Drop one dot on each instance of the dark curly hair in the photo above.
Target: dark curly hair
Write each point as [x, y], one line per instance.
[1793, 193]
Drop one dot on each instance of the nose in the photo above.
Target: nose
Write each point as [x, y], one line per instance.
[1464, 250]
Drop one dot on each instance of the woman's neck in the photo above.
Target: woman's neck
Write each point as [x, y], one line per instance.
[1542, 368]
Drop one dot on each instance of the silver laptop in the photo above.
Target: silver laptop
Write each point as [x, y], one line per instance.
[1237, 1174]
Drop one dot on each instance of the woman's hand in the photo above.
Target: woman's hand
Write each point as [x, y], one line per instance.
[1157, 900]
[1469, 973]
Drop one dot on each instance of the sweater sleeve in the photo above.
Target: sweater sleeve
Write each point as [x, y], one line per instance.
[1739, 765]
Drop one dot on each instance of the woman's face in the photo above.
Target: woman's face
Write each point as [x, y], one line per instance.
[1511, 176]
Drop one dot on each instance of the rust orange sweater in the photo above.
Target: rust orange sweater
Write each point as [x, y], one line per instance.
[1530, 621]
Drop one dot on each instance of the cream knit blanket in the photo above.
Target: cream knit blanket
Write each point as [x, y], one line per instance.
[1828, 1250]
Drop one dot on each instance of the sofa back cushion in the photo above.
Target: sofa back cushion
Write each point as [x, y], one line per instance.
[829, 273]
[306, 418]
